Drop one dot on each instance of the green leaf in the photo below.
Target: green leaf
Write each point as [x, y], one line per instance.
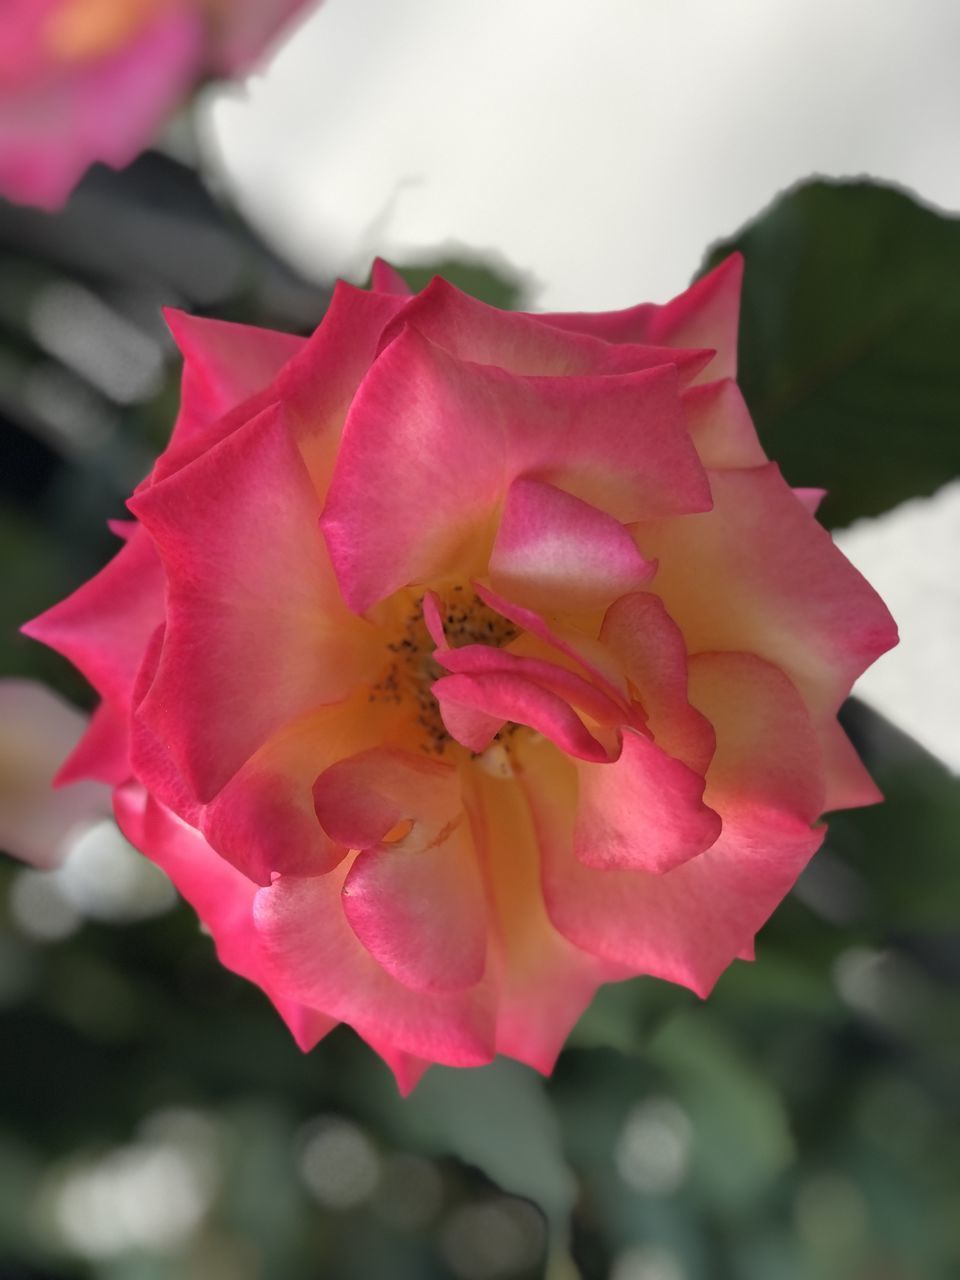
[499, 1119]
[848, 345]
[742, 1138]
[905, 850]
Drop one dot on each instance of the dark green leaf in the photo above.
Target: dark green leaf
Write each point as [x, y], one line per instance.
[849, 341]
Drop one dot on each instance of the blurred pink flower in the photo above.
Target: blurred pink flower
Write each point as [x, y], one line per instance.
[89, 80]
[460, 661]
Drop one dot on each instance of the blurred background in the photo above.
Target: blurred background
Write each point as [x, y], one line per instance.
[156, 1120]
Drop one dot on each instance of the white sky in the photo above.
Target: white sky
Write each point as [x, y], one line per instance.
[599, 147]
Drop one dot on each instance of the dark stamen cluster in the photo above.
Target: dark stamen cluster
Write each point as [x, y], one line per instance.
[412, 670]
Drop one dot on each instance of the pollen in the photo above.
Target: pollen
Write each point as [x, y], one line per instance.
[408, 677]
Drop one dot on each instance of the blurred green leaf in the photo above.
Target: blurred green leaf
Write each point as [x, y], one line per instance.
[848, 344]
[905, 849]
[742, 1138]
[499, 1119]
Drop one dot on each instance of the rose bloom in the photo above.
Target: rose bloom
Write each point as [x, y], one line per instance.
[87, 80]
[459, 661]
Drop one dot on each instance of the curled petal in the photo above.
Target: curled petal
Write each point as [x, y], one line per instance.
[407, 1069]
[317, 387]
[228, 370]
[581, 650]
[811, 498]
[765, 782]
[475, 707]
[413, 896]
[433, 619]
[315, 958]
[264, 820]
[479, 659]
[248, 30]
[650, 645]
[643, 811]
[315, 379]
[788, 595]
[686, 926]
[420, 911]
[360, 800]
[557, 553]
[150, 760]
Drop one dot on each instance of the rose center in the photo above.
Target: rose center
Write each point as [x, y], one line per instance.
[408, 676]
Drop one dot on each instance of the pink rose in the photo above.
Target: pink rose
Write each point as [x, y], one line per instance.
[88, 80]
[459, 661]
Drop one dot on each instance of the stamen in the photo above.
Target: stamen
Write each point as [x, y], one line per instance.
[412, 669]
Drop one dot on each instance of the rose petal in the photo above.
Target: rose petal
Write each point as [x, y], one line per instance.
[104, 626]
[545, 981]
[480, 659]
[721, 426]
[758, 573]
[317, 388]
[315, 957]
[223, 365]
[408, 1070]
[848, 784]
[315, 385]
[220, 895]
[649, 644]
[431, 444]
[264, 820]
[359, 799]
[705, 315]
[528, 344]
[102, 754]
[643, 811]
[150, 760]
[811, 498]
[386, 279]
[473, 705]
[557, 553]
[245, 33]
[768, 755]
[765, 781]
[420, 912]
[256, 635]
[583, 651]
